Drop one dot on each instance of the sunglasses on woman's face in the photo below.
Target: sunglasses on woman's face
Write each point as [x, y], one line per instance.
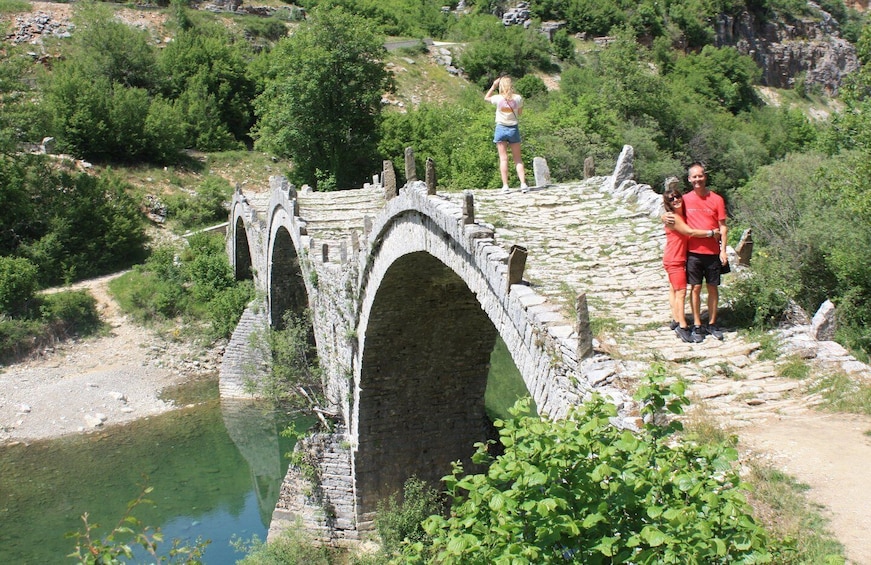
[673, 197]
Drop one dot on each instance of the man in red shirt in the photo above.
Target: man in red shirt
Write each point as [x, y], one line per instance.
[705, 210]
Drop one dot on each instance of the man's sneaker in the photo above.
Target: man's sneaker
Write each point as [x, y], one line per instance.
[684, 334]
[697, 335]
[673, 325]
[714, 331]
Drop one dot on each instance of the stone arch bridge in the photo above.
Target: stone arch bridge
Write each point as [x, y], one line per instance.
[407, 292]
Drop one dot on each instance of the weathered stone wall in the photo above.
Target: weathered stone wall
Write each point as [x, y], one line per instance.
[242, 361]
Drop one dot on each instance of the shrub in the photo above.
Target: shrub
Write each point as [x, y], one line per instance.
[292, 546]
[60, 315]
[759, 298]
[399, 521]
[530, 86]
[207, 206]
[227, 306]
[195, 283]
[73, 311]
[17, 283]
[580, 490]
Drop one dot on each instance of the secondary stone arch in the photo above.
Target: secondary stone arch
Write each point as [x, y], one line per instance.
[287, 290]
[242, 265]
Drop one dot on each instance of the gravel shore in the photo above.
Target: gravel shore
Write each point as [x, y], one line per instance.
[88, 384]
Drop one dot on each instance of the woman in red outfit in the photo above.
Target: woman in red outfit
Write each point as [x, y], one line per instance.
[674, 259]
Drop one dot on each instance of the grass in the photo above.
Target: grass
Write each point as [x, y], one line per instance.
[840, 393]
[14, 6]
[250, 169]
[421, 81]
[780, 504]
[602, 325]
[794, 367]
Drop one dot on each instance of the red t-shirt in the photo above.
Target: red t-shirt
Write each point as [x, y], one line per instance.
[704, 213]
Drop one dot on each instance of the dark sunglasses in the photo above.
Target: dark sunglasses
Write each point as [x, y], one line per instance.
[673, 197]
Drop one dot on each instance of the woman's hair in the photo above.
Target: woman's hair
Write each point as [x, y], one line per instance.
[666, 199]
[506, 87]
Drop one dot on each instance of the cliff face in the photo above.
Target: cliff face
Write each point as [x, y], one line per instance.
[786, 48]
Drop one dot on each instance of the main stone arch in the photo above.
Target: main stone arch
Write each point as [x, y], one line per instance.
[423, 374]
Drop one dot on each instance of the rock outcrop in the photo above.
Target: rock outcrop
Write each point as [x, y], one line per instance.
[785, 49]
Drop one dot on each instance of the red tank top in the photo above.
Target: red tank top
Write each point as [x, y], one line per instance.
[675, 248]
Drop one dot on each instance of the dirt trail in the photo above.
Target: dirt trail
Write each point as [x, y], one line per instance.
[86, 384]
[831, 453]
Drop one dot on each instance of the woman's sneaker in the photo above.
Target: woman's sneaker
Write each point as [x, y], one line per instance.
[714, 331]
[698, 334]
[684, 334]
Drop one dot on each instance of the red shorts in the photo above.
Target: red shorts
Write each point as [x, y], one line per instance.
[677, 275]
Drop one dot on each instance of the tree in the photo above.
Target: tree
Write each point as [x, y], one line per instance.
[322, 102]
[205, 68]
[512, 50]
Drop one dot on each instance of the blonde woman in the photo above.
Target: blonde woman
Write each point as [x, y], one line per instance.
[509, 107]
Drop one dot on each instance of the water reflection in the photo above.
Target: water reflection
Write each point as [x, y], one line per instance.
[216, 469]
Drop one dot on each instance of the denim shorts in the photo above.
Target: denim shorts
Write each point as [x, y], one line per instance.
[511, 134]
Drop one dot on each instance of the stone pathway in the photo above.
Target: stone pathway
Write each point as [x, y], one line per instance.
[582, 240]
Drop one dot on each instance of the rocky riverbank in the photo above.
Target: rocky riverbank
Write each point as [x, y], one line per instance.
[87, 384]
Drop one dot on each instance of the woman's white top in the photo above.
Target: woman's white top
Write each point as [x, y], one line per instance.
[507, 109]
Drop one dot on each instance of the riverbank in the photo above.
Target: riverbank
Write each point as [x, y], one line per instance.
[85, 385]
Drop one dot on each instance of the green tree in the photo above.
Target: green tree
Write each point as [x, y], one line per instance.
[205, 67]
[505, 50]
[322, 104]
[720, 76]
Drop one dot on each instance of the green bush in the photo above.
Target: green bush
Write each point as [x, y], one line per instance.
[19, 337]
[530, 86]
[758, 299]
[580, 490]
[195, 284]
[227, 306]
[18, 282]
[74, 311]
[54, 317]
[207, 206]
[512, 50]
[399, 521]
[292, 546]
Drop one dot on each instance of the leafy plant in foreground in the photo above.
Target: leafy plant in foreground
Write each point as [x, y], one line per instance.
[581, 490]
[116, 546]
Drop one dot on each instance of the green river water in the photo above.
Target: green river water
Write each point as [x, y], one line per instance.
[215, 467]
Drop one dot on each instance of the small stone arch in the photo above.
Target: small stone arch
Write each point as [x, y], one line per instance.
[242, 265]
[287, 292]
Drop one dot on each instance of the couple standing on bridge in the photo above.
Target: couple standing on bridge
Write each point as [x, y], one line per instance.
[695, 250]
